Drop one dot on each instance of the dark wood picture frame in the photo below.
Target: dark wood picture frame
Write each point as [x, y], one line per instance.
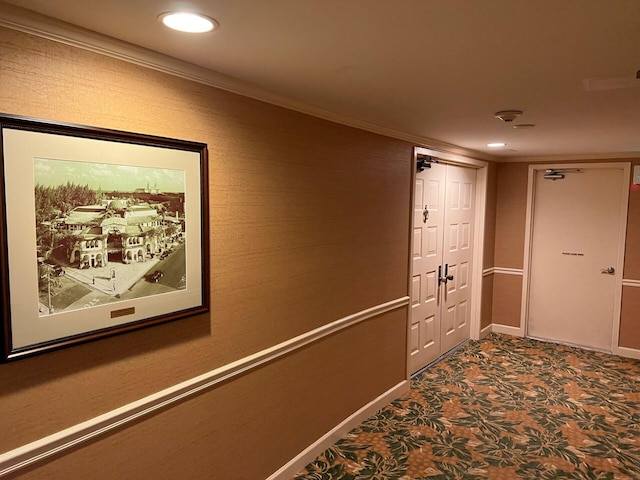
[101, 232]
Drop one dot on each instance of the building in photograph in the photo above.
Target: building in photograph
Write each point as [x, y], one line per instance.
[118, 230]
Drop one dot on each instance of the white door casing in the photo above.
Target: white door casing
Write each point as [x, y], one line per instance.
[443, 215]
[576, 229]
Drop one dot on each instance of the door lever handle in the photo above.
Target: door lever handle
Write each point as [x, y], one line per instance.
[447, 277]
[608, 271]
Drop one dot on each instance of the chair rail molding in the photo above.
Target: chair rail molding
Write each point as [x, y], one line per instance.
[34, 452]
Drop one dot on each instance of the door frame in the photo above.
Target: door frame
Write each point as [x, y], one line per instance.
[622, 235]
[481, 168]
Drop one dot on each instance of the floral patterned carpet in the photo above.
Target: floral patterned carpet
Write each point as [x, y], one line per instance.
[501, 408]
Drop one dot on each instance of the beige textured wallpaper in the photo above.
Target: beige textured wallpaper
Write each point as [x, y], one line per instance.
[630, 324]
[632, 252]
[511, 206]
[309, 223]
[488, 260]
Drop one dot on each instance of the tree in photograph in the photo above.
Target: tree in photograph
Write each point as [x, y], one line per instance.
[51, 202]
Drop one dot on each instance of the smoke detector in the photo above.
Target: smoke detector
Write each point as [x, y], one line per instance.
[508, 116]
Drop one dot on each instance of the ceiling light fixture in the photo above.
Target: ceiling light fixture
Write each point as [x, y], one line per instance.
[508, 115]
[188, 22]
[496, 144]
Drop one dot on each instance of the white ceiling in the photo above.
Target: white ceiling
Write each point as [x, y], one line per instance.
[431, 68]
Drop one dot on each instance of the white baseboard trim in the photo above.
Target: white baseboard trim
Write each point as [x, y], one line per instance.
[486, 331]
[310, 453]
[27, 455]
[620, 351]
[506, 329]
[627, 352]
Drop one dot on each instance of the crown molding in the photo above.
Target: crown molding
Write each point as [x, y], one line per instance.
[577, 157]
[33, 23]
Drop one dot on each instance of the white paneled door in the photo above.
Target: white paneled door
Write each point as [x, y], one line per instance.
[456, 311]
[441, 262]
[576, 256]
[428, 239]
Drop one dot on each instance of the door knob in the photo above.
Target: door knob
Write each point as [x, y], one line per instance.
[608, 271]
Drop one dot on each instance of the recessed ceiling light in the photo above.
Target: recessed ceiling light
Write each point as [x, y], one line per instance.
[496, 144]
[188, 22]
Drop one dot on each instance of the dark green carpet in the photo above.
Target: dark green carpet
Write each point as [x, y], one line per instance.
[501, 408]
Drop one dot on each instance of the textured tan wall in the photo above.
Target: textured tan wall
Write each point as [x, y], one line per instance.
[488, 259]
[486, 312]
[630, 312]
[630, 318]
[241, 430]
[510, 219]
[309, 223]
[632, 252]
[507, 298]
[511, 210]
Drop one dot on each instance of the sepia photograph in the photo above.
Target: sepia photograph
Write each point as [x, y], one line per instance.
[106, 232]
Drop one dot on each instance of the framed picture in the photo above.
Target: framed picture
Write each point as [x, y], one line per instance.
[102, 232]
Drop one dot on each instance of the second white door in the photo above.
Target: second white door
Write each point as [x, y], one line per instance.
[576, 255]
